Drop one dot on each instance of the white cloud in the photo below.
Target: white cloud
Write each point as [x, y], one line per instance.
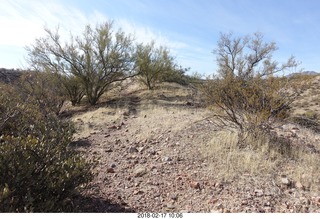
[146, 34]
[23, 21]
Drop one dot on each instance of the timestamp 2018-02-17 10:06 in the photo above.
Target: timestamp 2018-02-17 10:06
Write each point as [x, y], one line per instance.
[159, 215]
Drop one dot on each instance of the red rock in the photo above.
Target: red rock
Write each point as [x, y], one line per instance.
[213, 201]
[195, 185]
[110, 170]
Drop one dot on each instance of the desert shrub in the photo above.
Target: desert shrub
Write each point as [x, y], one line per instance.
[177, 75]
[44, 90]
[155, 65]
[98, 57]
[39, 172]
[245, 94]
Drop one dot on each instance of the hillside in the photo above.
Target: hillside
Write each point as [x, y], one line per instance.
[9, 75]
[159, 151]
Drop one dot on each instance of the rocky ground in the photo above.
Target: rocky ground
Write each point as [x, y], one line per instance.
[150, 159]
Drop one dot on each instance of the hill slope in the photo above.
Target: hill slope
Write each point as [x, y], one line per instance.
[159, 152]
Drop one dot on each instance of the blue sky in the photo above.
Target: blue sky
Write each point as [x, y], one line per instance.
[189, 28]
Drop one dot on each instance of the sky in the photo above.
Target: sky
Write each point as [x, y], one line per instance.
[189, 28]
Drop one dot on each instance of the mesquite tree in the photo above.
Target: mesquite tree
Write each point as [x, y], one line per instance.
[154, 64]
[245, 93]
[98, 57]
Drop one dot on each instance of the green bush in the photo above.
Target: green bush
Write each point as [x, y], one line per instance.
[39, 172]
[155, 65]
[37, 175]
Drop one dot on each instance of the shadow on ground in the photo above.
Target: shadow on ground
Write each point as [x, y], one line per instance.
[80, 143]
[98, 205]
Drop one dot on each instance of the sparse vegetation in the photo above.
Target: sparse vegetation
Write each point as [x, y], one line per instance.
[154, 65]
[254, 149]
[246, 95]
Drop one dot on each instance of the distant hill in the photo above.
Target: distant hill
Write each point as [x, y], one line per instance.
[304, 73]
[9, 75]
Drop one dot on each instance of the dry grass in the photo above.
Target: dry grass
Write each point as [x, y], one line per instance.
[227, 161]
[230, 161]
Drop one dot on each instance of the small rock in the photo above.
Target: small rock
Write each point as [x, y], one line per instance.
[140, 171]
[110, 170]
[170, 207]
[167, 159]
[107, 135]
[285, 181]
[174, 197]
[244, 202]
[108, 150]
[213, 201]
[125, 113]
[113, 165]
[178, 178]
[113, 127]
[299, 185]
[195, 185]
[133, 150]
[258, 192]
[220, 206]
[137, 192]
